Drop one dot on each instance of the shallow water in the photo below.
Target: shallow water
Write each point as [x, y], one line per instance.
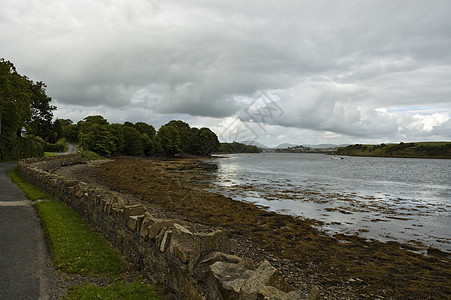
[406, 200]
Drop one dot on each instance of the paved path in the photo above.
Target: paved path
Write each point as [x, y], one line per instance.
[24, 263]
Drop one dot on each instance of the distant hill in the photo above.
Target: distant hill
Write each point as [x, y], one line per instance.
[285, 145]
[326, 146]
[414, 150]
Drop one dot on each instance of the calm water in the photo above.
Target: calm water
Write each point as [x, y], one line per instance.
[408, 200]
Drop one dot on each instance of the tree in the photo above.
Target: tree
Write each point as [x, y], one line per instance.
[60, 125]
[145, 128]
[40, 123]
[170, 139]
[132, 141]
[184, 131]
[15, 94]
[95, 135]
[204, 142]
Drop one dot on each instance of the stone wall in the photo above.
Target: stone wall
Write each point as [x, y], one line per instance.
[189, 264]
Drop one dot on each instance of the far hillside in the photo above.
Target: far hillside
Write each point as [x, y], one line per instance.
[413, 150]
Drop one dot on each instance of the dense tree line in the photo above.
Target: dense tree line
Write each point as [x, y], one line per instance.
[94, 133]
[236, 147]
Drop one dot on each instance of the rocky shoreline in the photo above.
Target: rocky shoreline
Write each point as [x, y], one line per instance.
[343, 267]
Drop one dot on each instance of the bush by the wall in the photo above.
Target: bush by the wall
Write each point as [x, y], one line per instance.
[14, 148]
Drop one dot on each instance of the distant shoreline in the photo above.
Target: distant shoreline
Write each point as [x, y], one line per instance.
[428, 150]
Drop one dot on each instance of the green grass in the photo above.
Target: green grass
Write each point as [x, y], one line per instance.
[30, 190]
[118, 290]
[89, 155]
[77, 248]
[75, 245]
[48, 154]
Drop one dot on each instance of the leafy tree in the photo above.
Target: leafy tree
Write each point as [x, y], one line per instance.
[42, 111]
[170, 139]
[71, 132]
[132, 141]
[204, 142]
[95, 135]
[157, 147]
[145, 128]
[117, 130]
[147, 144]
[59, 126]
[128, 124]
[184, 131]
[15, 94]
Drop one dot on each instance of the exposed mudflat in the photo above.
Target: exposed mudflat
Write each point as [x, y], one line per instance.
[342, 266]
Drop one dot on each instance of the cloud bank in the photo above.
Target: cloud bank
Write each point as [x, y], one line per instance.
[348, 71]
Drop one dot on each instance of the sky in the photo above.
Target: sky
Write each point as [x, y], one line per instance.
[299, 72]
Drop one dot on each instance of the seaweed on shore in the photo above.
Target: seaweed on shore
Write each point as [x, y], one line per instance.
[371, 267]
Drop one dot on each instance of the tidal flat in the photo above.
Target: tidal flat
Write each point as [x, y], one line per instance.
[343, 266]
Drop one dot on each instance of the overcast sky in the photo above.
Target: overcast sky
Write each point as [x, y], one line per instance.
[302, 72]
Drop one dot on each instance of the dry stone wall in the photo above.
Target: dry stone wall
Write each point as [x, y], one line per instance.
[190, 265]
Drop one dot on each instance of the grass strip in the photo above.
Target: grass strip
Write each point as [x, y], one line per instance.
[77, 248]
[75, 245]
[118, 290]
[30, 190]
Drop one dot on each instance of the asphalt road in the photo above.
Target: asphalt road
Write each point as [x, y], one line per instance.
[25, 268]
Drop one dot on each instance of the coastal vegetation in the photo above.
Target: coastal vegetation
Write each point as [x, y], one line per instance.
[303, 149]
[96, 134]
[236, 147]
[413, 150]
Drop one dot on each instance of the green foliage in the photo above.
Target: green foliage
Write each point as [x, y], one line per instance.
[236, 147]
[185, 134]
[15, 95]
[132, 141]
[89, 155]
[30, 190]
[170, 139]
[203, 142]
[71, 132]
[59, 146]
[119, 290]
[42, 113]
[14, 148]
[419, 150]
[145, 128]
[75, 245]
[95, 135]
[23, 103]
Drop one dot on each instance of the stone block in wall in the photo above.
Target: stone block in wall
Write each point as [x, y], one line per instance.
[265, 275]
[228, 279]
[165, 240]
[272, 293]
[182, 243]
[134, 222]
[133, 210]
[155, 225]
[203, 267]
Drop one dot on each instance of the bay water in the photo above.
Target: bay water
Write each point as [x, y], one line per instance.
[400, 199]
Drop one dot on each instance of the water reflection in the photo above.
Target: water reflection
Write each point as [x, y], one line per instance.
[379, 198]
